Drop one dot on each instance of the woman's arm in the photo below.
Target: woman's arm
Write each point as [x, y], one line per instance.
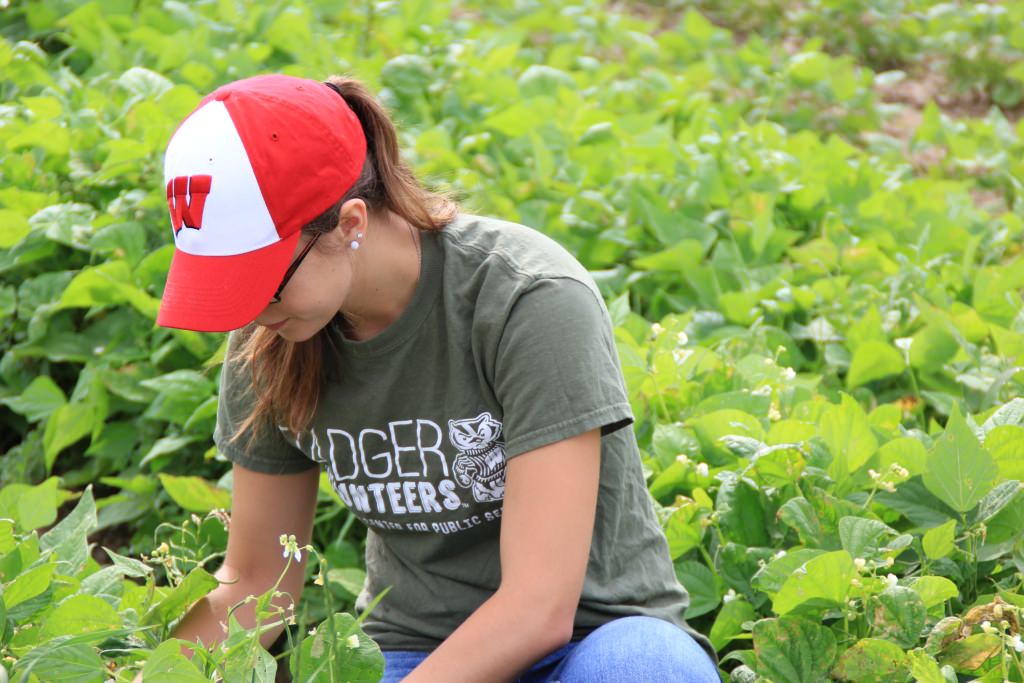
[263, 506]
[546, 528]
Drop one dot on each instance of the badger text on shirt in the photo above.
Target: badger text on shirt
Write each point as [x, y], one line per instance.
[408, 468]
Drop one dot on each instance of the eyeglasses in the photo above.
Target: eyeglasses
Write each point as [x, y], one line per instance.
[276, 299]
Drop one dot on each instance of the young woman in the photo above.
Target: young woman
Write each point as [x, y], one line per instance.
[456, 377]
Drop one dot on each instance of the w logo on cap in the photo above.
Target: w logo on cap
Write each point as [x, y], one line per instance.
[186, 197]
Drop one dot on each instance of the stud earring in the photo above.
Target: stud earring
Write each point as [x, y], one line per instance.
[354, 244]
[359, 235]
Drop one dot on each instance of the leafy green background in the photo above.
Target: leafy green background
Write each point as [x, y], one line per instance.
[807, 221]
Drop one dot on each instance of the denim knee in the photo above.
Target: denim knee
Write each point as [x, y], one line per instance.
[641, 649]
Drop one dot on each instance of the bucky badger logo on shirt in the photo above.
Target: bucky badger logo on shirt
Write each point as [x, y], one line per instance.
[480, 464]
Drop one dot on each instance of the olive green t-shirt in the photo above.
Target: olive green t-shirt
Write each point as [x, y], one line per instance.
[506, 346]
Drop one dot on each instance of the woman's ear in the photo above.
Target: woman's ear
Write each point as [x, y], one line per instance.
[352, 219]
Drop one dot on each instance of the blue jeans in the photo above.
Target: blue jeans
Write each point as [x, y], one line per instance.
[637, 649]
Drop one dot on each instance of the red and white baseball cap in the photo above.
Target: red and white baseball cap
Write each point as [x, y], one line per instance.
[254, 162]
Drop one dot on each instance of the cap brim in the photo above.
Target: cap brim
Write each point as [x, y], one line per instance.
[223, 293]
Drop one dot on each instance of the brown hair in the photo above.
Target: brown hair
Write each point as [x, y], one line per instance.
[286, 375]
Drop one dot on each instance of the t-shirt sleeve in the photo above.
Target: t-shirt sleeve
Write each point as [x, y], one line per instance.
[269, 451]
[557, 373]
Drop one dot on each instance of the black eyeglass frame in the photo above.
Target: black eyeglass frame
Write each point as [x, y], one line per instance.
[276, 299]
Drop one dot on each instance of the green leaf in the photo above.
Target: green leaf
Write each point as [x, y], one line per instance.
[520, 118]
[862, 537]
[129, 566]
[873, 360]
[712, 427]
[996, 500]
[46, 135]
[847, 433]
[809, 68]
[68, 539]
[349, 579]
[182, 384]
[168, 665]
[793, 650]
[906, 452]
[1004, 529]
[195, 494]
[346, 650]
[67, 424]
[148, 85]
[772, 576]
[702, 585]
[7, 542]
[38, 400]
[13, 228]
[1006, 445]
[407, 75]
[540, 80]
[28, 584]
[195, 585]
[68, 223]
[741, 511]
[680, 258]
[960, 472]
[30, 507]
[934, 590]
[681, 531]
[822, 582]
[938, 542]
[80, 614]
[63, 662]
[924, 668]
[872, 661]
[105, 285]
[932, 347]
[729, 622]
[899, 616]
[971, 653]
[1011, 413]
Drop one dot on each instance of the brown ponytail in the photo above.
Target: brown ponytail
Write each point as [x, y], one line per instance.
[286, 375]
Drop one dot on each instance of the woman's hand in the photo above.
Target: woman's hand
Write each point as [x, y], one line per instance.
[263, 507]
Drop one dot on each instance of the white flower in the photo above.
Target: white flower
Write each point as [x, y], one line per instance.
[891, 580]
[899, 470]
[781, 553]
[702, 469]
[682, 459]
[986, 626]
[680, 355]
[730, 596]
[789, 374]
[1016, 643]
[874, 475]
[773, 413]
[889, 562]
[682, 339]
[657, 329]
[291, 547]
[903, 344]
[859, 563]
[352, 641]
